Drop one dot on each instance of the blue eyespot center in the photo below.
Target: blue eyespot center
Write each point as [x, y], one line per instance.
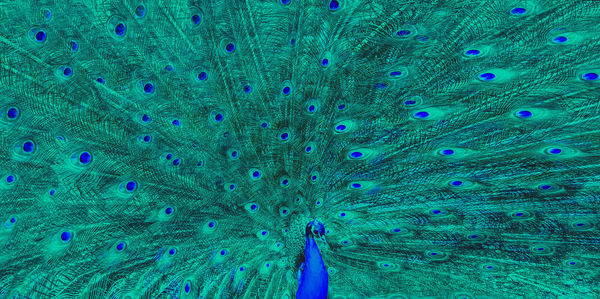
[40, 36]
[487, 76]
[380, 85]
[590, 76]
[131, 186]
[67, 71]
[421, 114]
[472, 52]
[28, 146]
[140, 11]
[334, 5]
[65, 236]
[120, 29]
[230, 47]
[196, 19]
[85, 158]
[447, 152]
[356, 154]
[524, 114]
[403, 33]
[560, 39]
[555, 150]
[518, 11]
[148, 88]
[12, 113]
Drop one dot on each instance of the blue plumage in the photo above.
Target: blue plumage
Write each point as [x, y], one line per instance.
[312, 278]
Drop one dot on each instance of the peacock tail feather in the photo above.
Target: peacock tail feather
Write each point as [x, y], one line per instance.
[178, 149]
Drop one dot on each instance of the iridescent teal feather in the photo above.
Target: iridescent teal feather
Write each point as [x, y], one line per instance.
[180, 148]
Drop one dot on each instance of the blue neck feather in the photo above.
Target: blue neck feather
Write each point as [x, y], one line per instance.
[313, 279]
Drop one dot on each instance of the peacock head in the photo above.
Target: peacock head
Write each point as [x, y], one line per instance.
[315, 229]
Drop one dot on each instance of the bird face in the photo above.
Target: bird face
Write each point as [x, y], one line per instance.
[315, 229]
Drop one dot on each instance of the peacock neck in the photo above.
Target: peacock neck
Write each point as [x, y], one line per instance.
[314, 282]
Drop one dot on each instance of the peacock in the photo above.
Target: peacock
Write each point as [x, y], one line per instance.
[299, 149]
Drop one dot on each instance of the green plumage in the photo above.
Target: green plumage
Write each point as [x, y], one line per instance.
[178, 149]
